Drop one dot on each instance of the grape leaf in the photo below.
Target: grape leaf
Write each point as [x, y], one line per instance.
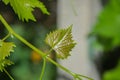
[5, 49]
[4, 63]
[61, 42]
[24, 8]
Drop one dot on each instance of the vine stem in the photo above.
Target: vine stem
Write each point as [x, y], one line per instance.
[43, 68]
[11, 31]
[19, 37]
[6, 37]
[8, 27]
[60, 66]
[85, 77]
[8, 74]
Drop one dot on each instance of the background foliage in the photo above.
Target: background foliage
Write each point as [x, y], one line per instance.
[106, 29]
[107, 34]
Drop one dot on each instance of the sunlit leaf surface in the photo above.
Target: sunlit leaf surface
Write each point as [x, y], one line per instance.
[4, 63]
[5, 49]
[61, 42]
[24, 8]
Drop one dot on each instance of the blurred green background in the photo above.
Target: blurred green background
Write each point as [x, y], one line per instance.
[106, 34]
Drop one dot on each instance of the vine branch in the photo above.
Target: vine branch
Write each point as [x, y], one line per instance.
[31, 46]
[8, 74]
[11, 31]
[43, 68]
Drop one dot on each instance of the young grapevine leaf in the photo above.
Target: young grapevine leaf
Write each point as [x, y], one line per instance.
[24, 8]
[5, 49]
[61, 42]
[4, 63]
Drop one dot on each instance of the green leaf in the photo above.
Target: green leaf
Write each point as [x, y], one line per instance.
[4, 63]
[5, 49]
[6, 1]
[61, 42]
[107, 28]
[24, 8]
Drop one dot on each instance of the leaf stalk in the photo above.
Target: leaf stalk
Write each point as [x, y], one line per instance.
[43, 68]
[8, 74]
